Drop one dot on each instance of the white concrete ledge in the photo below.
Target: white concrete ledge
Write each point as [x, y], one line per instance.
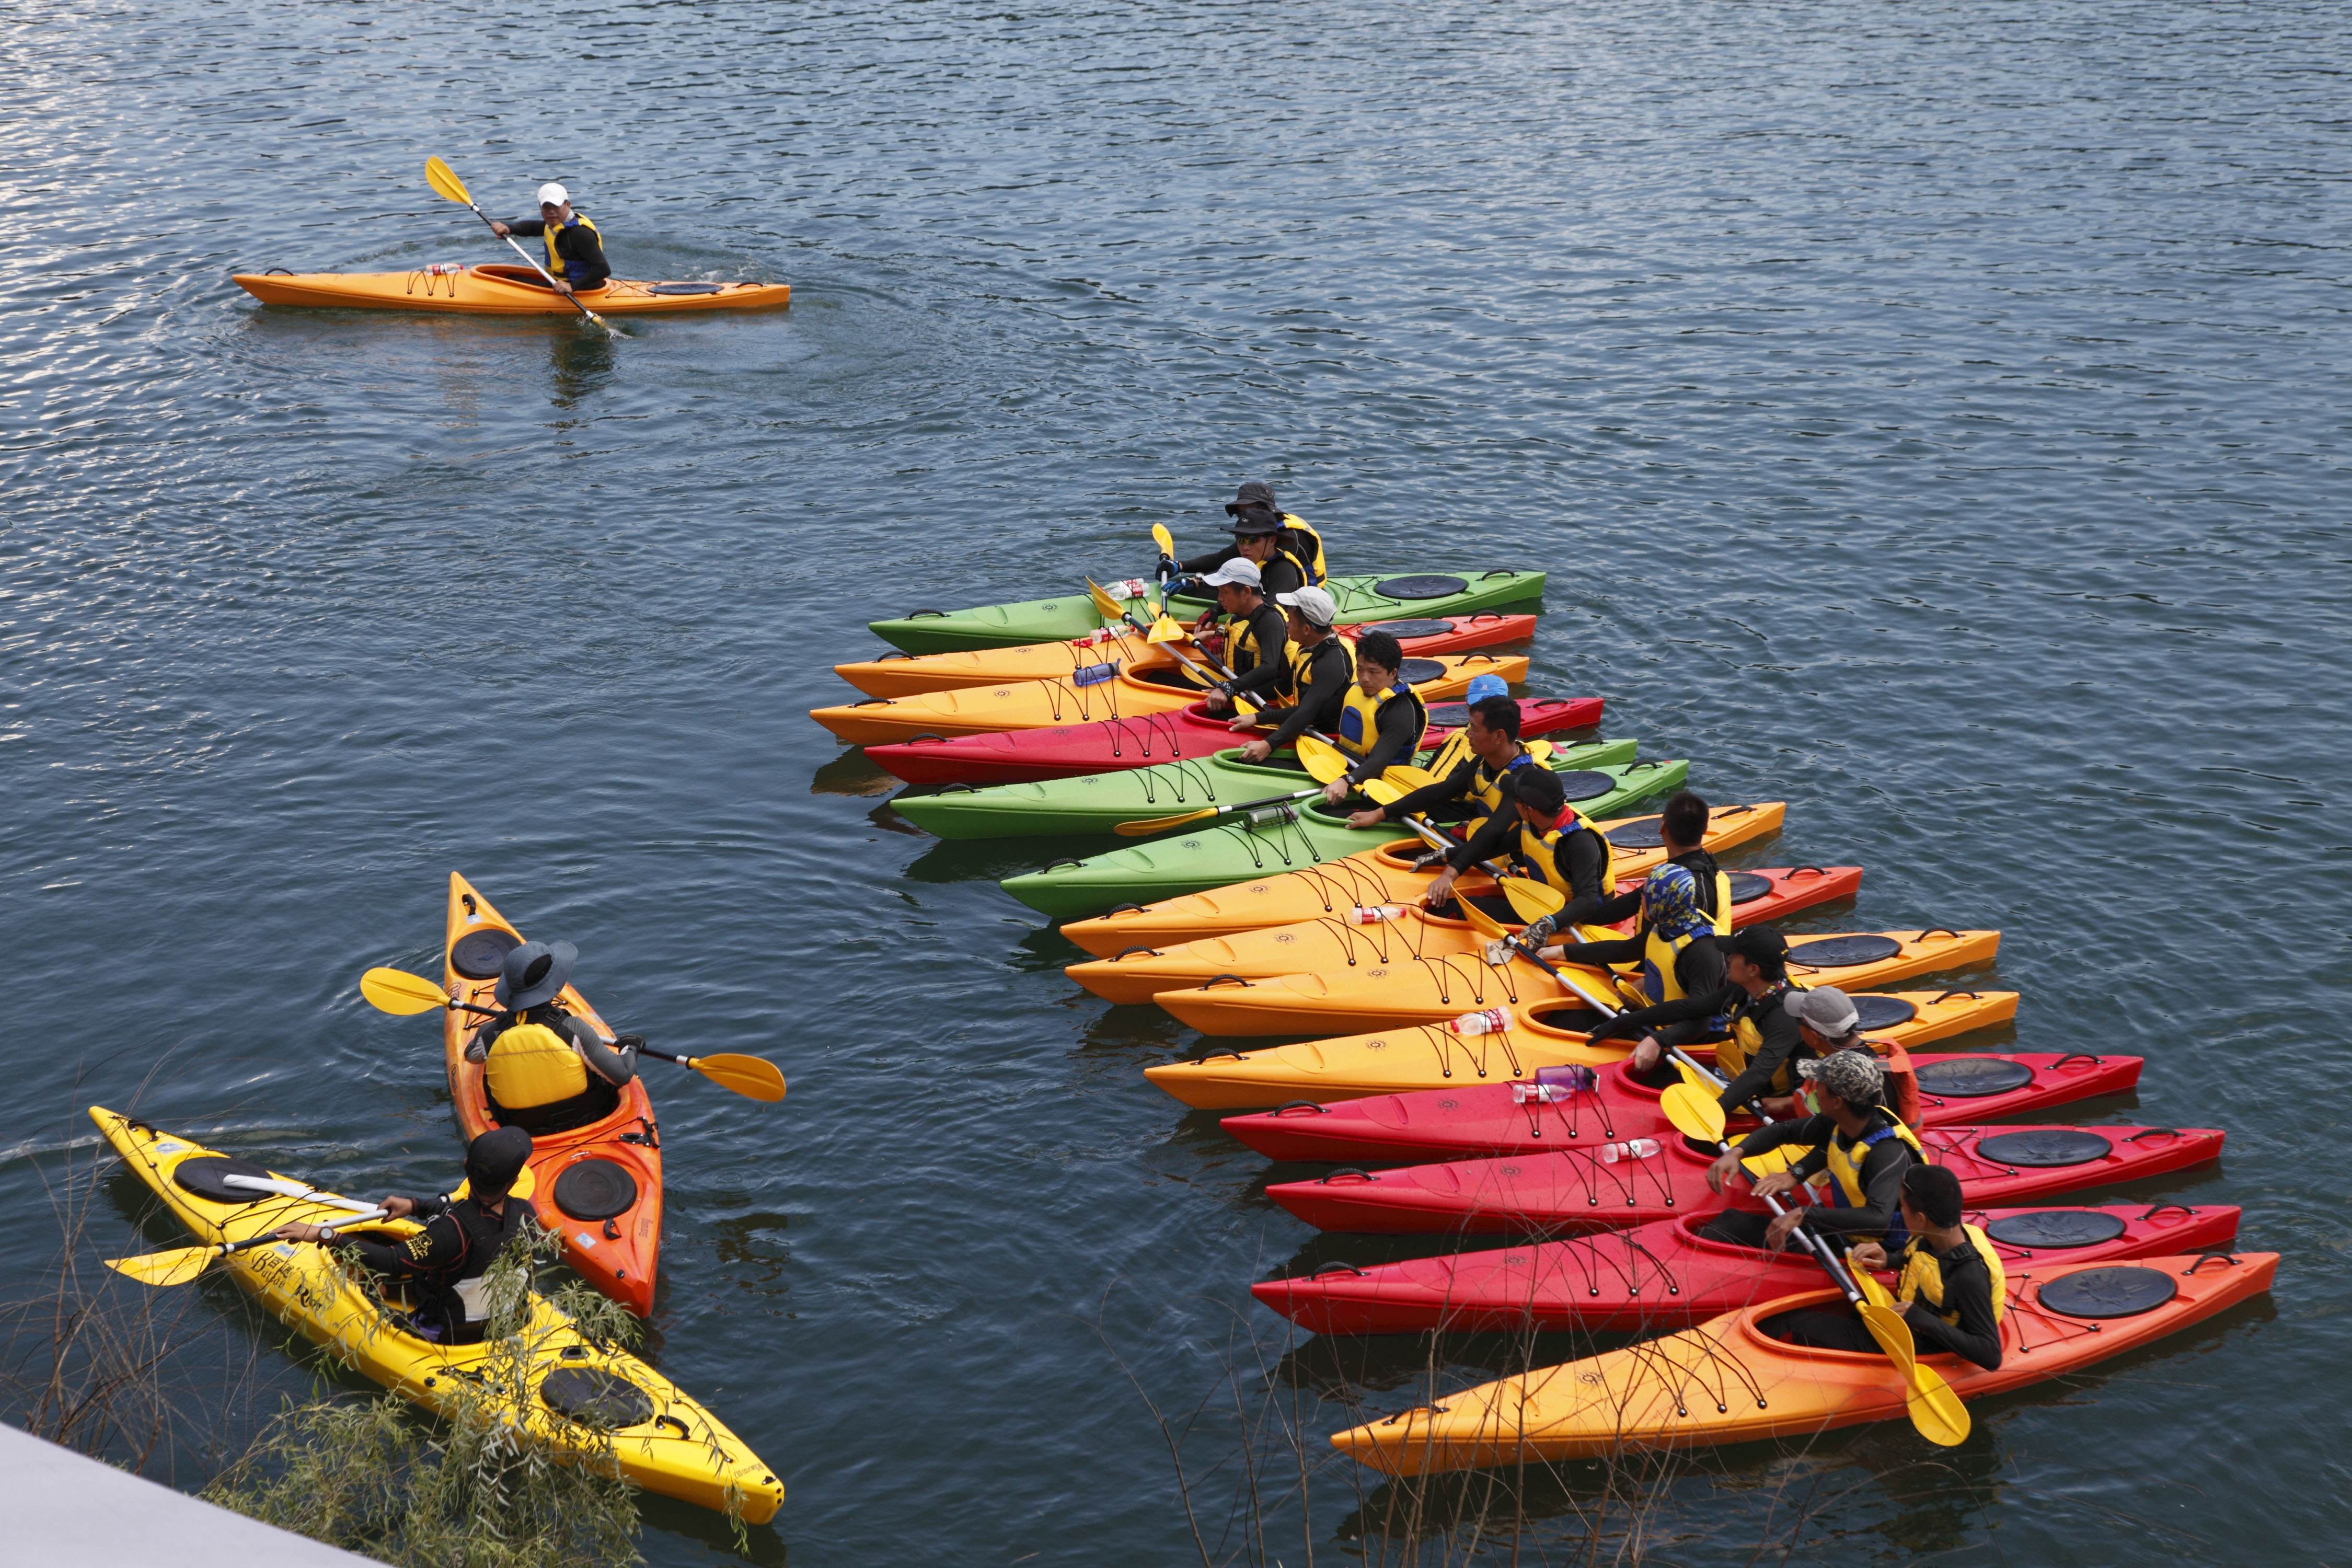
[63, 1510]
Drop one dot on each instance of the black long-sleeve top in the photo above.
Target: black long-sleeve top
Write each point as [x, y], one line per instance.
[431, 1251]
[1780, 1039]
[1329, 676]
[1276, 575]
[1882, 1169]
[1699, 967]
[583, 254]
[1968, 1290]
[1582, 859]
[1271, 630]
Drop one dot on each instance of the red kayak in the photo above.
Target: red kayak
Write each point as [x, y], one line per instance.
[1664, 1276]
[1105, 745]
[1497, 1118]
[1576, 1190]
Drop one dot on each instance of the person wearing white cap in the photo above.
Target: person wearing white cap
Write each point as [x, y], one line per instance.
[575, 250]
[1316, 677]
[1256, 636]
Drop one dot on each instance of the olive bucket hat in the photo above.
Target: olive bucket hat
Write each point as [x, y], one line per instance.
[534, 973]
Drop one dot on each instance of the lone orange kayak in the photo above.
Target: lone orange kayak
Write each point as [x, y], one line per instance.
[492, 289]
[1730, 1380]
[599, 1187]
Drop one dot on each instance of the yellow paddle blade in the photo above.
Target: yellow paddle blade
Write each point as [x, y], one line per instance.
[1381, 791]
[1874, 1293]
[1151, 824]
[1539, 749]
[1165, 629]
[1323, 761]
[1772, 1160]
[1531, 899]
[1409, 776]
[1160, 536]
[176, 1267]
[1484, 923]
[1936, 1412]
[1588, 989]
[446, 182]
[399, 993]
[753, 1078]
[1108, 606]
[1693, 1111]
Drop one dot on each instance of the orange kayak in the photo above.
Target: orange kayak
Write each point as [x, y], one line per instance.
[599, 1187]
[1396, 935]
[1730, 1381]
[910, 675]
[1542, 1032]
[494, 288]
[1432, 991]
[1372, 878]
[1120, 694]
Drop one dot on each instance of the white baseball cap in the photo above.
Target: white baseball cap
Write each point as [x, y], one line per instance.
[1240, 573]
[1312, 603]
[552, 194]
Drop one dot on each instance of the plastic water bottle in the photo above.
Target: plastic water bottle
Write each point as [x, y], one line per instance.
[1491, 1021]
[1632, 1149]
[1128, 588]
[443, 268]
[1093, 674]
[1373, 914]
[1101, 635]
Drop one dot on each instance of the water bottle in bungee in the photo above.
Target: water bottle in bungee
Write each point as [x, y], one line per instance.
[1490, 1021]
[1631, 1149]
[1373, 914]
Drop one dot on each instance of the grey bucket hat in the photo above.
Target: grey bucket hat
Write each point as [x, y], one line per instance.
[534, 973]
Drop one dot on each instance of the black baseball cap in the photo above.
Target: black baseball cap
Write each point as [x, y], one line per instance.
[1756, 944]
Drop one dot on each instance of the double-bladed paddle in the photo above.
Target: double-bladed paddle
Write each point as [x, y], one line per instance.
[449, 187]
[401, 994]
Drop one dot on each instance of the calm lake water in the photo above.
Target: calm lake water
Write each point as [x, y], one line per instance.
[1931, 415]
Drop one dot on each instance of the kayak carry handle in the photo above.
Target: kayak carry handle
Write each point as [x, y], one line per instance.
[1057, 864]
[1122, 910]
[2208, 1256]
[2076, 1056]
[2152, 1132]
[875, 702]
[1288, 1106]
[893, 655]
[1356, 1171]
[922, 615]
[1733, 811]
[956, 788]
[2159, 1208]
[1950, 995]
[1498, 572]
[1131, 952]
[1211, 983]
[1335, 1269]
[667, 1420]
[1797, 871]
[1202, 1059]
[926, 735]
[1940, 931]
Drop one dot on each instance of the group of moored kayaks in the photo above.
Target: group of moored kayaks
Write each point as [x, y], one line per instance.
[1415, 1045]
[597, 1187]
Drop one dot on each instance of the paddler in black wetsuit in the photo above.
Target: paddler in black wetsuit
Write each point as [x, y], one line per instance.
[1319, 672]
[1478, 768]
[1256, 635]
[1856, 1153]
[1770, 1025]
[1381, 721]
[461, 1238]
[575, 252]
[545, 1070]
[1684, 903]
[1287, 550]
[1952, 1289]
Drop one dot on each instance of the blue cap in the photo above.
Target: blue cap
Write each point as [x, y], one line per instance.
[1485, 685]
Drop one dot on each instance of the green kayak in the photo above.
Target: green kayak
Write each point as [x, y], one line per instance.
[1219, 854]
[1375, 596]
[1098, 802]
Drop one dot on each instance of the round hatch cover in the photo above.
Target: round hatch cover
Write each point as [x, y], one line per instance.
[202, 1177]
[1883, 1012]
[1420, 671]
[1845, 952]
[2045, 1148]
[595, 1189]
[595, 1397]
[1402, 629]
[1585, 784]
[1420, 585]
[480, 954]
[1746, 887]
[1640, 834]
[1973, 1077]
[2057, 1227]
[2123, 1292]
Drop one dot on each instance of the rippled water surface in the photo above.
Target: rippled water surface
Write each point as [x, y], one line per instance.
[1931, 415]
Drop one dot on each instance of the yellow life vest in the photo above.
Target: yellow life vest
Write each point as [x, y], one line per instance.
[1360, 719]
[555, 262]
[1308, 560]
[1732, 1057]
[1487, 784]
[1660, 983]
[530, 1065]
[1539, 853]
[1241, 651]
[1923, 1278]
[1302, 660]
[1840, 1183]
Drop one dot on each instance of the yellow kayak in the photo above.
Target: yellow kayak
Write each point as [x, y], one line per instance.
[671, 1445]
[494, 288]
[1118, 694]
